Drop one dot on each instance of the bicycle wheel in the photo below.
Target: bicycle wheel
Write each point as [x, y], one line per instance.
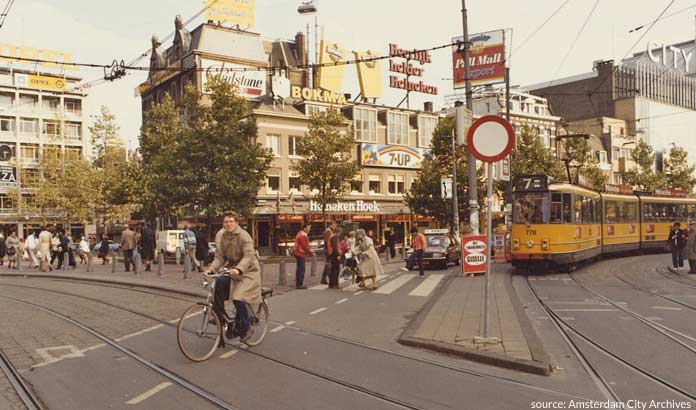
[259, 324]
[198, 332]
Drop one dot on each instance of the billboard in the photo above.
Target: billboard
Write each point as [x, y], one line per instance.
[230, 11]
[391, 156]
[251, 84]
[369, 74]
[8, 176]
[486, 59]
[330, 77]
[40, 82]
[58, 60]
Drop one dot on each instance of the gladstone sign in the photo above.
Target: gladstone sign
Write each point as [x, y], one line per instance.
[250, 83]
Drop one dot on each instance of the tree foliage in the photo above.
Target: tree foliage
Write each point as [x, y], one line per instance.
[579, 155]
[327, 164]
[531, 157]
[679, 173]
[643, 176]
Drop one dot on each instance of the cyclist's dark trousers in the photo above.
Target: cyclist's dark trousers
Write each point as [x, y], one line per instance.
[242, 318]
[222, 293]
[677, 257]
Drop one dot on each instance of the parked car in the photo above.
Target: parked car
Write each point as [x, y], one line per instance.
[170, 241]
[442, 249]
[114, 246]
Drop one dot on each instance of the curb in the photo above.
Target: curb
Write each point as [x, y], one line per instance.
[490, 358]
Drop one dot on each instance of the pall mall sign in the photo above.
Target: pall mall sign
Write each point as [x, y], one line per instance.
[251, 82]
[410, 70]
[486, 59]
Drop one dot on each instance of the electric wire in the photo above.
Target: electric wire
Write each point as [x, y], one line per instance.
[5, 12]
[633, 30]
[529, 37]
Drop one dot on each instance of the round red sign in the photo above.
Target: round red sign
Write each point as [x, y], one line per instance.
[490, 138]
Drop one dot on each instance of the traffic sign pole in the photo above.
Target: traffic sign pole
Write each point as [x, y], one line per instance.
[489, 235]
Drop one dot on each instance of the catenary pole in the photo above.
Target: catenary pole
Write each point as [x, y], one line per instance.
[471, 160]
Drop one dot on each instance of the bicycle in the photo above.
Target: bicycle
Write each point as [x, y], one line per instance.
[200, 331]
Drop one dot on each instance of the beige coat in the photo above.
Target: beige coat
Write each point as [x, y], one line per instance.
[690, 248]
[236, 249]
[128, 241]
[45, 246]
[369, 259]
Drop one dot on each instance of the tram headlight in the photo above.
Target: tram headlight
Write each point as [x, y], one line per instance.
[515, 244]
[530, 243]
[545, 243]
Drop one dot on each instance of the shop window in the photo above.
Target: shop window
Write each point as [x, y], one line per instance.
[375, 184]
[292, 146]
[28, 126]
[397, 128]
[273, 183]
[7, 124]
[426, 127]
[365, 125]
[273, 143]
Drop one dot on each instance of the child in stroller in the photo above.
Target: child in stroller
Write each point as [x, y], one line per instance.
[350, 262]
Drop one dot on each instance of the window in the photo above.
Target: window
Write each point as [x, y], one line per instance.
[73, 131]
[621, 131]
[426, 127]
[6, 204]
[356, 186]
[51, 128]
[626, 153]
[292, 146]
[602, 157]
[273, 143]
[397, 128]
[30, 177]
[374, 184]
[29, 153]
[28, 126]
[50, 103]
[294, 184]
[365, 125]
[616, 179]
[531, 208]
[73, 154]
[51, 151]
[396, 184]
[7, 124]
[6, 100]
[28, 102]
[73, 106]
[315, 109]
[273, 183]
[615, 153]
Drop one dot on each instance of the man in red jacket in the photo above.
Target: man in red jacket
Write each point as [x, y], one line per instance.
[302, 250]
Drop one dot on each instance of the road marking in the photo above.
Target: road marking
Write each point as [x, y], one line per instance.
[149, 393]
[341, 301]
[427, 286]
[290, 323]
[229, 354]
[357, 293]
[356, 286]
[569, 318]
[317, 311]
[277, 328]
[138, 333]
[48, 357]
[579, 302]
[666, 308]
[394, 285]
[586, 310]
[654, 318]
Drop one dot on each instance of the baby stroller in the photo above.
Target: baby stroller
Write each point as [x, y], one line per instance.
[350, 268]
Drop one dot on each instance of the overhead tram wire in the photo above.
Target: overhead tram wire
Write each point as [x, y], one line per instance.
[539, 28]
[577, 37]
[5, 12]
[633, 30]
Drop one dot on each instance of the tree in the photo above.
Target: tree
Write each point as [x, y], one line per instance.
[105, 139]
[327, 164]
[425, 197]
[678, 172]
[642, 176]
[531, 157]
[579, 155]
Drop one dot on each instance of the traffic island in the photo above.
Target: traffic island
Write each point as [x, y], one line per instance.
[451, 323]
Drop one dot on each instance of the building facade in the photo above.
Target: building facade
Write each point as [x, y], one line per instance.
[40, 115]
[390, 142]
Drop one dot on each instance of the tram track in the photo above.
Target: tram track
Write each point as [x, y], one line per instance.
[567, 329]
[24, 392]
[392, 353]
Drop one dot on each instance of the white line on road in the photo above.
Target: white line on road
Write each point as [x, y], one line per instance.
[317, 311]
[666, 308]
[569, 318]
[654, 318]
[395, 284]
[341, 301]
[358, 292]
[290, 323]
[586, 310]
[149, 393]
[319, 287]
[138, 333]
[229, 354]
[277, 328]
[427, 286]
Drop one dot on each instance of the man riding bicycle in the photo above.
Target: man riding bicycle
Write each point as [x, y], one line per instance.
[235, 250]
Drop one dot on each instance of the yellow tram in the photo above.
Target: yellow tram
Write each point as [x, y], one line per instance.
[561, 224]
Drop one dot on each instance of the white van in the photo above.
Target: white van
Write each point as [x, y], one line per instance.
[170, 241]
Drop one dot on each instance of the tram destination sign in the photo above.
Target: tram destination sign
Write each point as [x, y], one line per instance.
[532, 183]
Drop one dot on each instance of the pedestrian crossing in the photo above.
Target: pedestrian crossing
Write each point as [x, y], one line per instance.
[391, 283]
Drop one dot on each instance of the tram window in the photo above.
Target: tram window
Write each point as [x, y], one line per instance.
[620, 212]
[631, 212]
[587, 210]
[578, 209]
[691, 212]
[610, 212]
[531, 208]
[680, 212]
[556, 208]
[567, 211]
[647, 212]
[597, 211]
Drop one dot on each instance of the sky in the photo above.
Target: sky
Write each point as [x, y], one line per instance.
[99, 32]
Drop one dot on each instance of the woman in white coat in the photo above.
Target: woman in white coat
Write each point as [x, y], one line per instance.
[370, 266]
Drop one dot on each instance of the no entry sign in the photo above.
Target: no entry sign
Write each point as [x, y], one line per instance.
[474, 254]
[490, 138]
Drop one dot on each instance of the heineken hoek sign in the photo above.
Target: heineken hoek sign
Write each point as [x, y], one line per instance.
[352, 206]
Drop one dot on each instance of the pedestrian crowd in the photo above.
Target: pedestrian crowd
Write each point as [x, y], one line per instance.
[682, 243]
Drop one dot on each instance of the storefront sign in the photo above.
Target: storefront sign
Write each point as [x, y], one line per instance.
[8, 176]
[290, 218]
[51, 58]
[40, 82]
[392, 156]
[230, 11]
[313, 94]
[251, 84]
[410, 70]
[353, 206]
[474, 254]
[486, 59]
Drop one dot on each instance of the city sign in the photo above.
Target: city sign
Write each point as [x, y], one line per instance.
[410, 70]
[251, 84]
[51, 58]
[490, 138]
[486, 59]
[680, 57]
[352, 206]
[474, 254]
[391, 156]
[313, 94]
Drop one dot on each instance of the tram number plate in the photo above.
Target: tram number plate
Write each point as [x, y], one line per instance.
[531, 232]
[531, 183]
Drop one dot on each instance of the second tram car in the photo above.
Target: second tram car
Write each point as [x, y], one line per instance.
[562, 224]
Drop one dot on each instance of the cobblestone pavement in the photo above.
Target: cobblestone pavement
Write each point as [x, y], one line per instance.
[9, 400]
